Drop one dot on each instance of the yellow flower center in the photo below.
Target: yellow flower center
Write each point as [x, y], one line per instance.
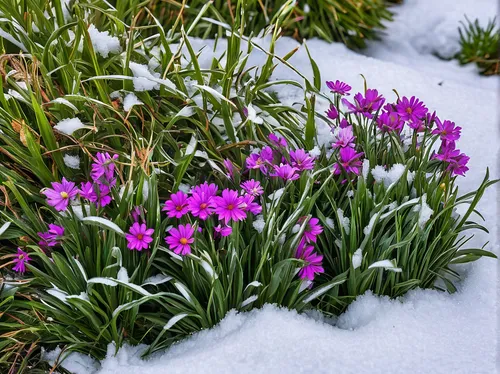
[21, 257]
[140, 236]
[183, 241]
[64, 195]
[408, 110]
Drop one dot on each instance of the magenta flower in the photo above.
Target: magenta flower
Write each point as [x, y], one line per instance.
[285, 172]
[339, 87]
[344, 137]
[61, 194]
[230, 206]
[390, 121]
[301, 160]
[412, 111]
[223, 230]
[447, 152]
[87, 191]
[260, 161]
[365, 105]
[458, 164]
[206, 188]
[136, 213]
[456, 161]
[312, 230]
[343, 124]
[139, 236]
[332, 112]
[312, 261]
[229, 168]
[180, 239]
[252, 187]
[447, 130]
[250, 205]
[104, 167]
[201, 203]
[349, 161]
[430, 118]
[52, 237]
[103, 195]
[177, 206]
[278, 141]
[20, 261]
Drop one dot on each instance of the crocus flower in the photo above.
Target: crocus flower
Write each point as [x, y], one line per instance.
[52, 237]
[60, 194]
[230, 206]
[332, 112]
[312, 230]
[223, 230]
[261, 160]
[250, 205]
[139, 236]
[365, 105]
[177, 206]
[301, 160]
[278, 141]
[344, 138]
[447, 130]
[104, 168]
[180, 239]
[285, 172]
[411, 110]
[349, 161]
[389, 122]
[87, 191]
[252, 187]
[339, 87]
[312, 260]
[201, 203]
[20, 261]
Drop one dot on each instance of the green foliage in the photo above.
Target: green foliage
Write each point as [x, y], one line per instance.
[480, 45]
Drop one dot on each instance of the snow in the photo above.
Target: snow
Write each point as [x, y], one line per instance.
[145, 80]
[131, 100]
[425, 212]
[69, 125]
[388, 177]
[330, 223]
[74, 362]
[344, 221]
[103, 43]
[72, 161]
[259, 223]
[357, 258]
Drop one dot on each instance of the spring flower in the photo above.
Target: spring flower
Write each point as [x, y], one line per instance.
[87, 191]
[447, 130]
[229, 168]
[223, 230]
[301, 160]
[104, 167]
[447, 152]
[365, 105]
[412, 110]
[61, 194]
[252, 187]
[177, 206]
[312, 260]
[456, 161]
[339, 87]
[332, 112]
[230, 206]
[285, 172]
[139, 236]
[260, 161]
[206, 188]
[250, 205]
[278, 141]
[431, 118]
[201, 203]
[104, 197]
[349, 161]
[312, 230]
[21, 260]
[180, 239]
[136, 213]
[52, 237]
[390, 121]
[458, 164]
[344, 137]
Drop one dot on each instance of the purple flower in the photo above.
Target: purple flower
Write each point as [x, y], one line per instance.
[87, 191]
[456, 161]
[104, 167]
[206, 188]
[339, 87]
[332, 112]
[278, 141]
[285, 172]
[301, 160]
[177, 206]
[447, 130]
[229, 168]
[366, 105]
[201, 203]
[223, 230]
[60, 194]
[180, 239]
[139, 236]
[458, 164]
[312, 230]
[252, 187]
[260, 161]
[431, 118]
[412, 111]
[345, 138]
[136, 213]
[390, 121]
[349, 161]
[21, 260]
[52, 237]
[312, 261]
[250, 205]
[343, 124]
[103, 193]
[230, 206]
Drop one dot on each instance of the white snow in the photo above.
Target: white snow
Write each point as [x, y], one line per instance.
[69, 125]
[72, 161]
[357, 258]
[344, 221]
[330, 223]
[74, 362]
[145, 80]
[103, 43]
[388, 177]
[425, 212]
[131, 100]
[259, 223]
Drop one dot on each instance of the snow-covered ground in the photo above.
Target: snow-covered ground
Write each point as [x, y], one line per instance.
[426, 331]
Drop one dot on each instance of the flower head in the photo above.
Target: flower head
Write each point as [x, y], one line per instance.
[312, 230]
[252, 187]
[139, 236]
[332, 112]
[278, 141]
[343, 124]
[411, 110]
[52, 237]
[390, 121]
[136, 213]
[201, 203]
[60, 194]
[230, 206]
[87, 191]
[312, 260]
[250, 205]
[22, 258]
[103, 194]
[229, 168]
[457, 161]
[180, 239]
[261, 160]
[344, 138]
[339, 87]
[365, 105]
[301, 159]
[285, 172]
[103, 169]
[177, 206]
[349, 161]
[223, 230]
[447, 130]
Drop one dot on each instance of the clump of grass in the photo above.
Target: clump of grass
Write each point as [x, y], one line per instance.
[480, 45]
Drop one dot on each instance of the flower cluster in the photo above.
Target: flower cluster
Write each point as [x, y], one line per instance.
[305, 250]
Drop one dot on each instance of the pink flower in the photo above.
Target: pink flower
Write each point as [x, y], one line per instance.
[390, 121]
[278, 141]
[21, 260]
[344, 138]
[87, 191]
[332, 112]
[343, 124]
[365, 105]
[338, 87]
[285, 172]
[223, 230]
[229, 168]
[103, 169]
[250, 205]
[61, 194]
[177, 206]
[411, 110]
[312, 230]
[260, 161]
[103, 196]
[52, 237]
[139, 236]
[301, 160]
[230, 206]
[180, 239]
[447, 130]
[312, 261]
[349, 161]
[136, 213]
[252, 187]
[209, 189]
[201, 203]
